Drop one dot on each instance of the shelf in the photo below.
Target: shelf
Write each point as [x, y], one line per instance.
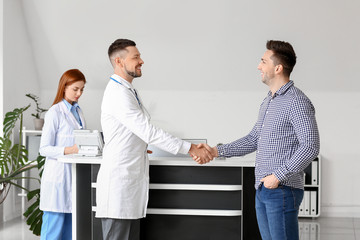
[28, 131]
[194, 212]
[309, 216]
[191, 212]
[312, 192]
[199, 187]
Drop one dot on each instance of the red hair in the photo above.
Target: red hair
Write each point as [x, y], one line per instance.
[68, 78]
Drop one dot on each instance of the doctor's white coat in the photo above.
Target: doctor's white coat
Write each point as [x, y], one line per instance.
[57, 133]
[123, 178]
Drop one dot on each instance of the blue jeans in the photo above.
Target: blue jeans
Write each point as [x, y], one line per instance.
[277, 212]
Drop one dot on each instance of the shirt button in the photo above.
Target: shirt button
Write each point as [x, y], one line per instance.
[267, 112]
[258, 151]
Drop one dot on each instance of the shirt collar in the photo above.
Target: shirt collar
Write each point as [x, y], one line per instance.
[283, 88]
[122, 81]
[69, 106]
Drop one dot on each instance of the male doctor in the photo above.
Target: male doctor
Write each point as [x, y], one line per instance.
[123, 178]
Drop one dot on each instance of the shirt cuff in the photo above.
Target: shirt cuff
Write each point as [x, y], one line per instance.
[221, 150]
[280, 175]
[185, 147]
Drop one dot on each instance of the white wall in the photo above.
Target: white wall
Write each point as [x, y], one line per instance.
[19, 78]
[1, 82]
[200, 78]
[20, 71]
[1, 63]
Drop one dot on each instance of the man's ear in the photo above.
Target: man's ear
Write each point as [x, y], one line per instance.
[279, 68]
[119, 61]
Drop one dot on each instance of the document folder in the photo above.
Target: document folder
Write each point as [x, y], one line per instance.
[314, 172]
[313, 203]
[306, 203]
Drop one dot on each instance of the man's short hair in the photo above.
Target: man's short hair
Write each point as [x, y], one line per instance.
[284, 54]
[118, 45]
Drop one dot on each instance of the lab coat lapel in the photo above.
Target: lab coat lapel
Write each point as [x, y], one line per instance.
[70, 116]
[143, 107]
[131, 88]
[82, 118]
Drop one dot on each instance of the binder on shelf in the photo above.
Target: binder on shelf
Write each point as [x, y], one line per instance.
[314, 172]
[301, 208]
[313, 203]
[306, 203]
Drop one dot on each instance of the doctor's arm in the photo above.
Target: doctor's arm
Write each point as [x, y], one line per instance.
[48, 138]
[128, 112]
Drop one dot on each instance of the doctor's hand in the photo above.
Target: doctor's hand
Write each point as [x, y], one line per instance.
[71, 150]
[212, 150]
[200, 155]
[270, 181]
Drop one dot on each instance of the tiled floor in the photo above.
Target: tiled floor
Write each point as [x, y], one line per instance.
[330, 229]
[321, 228]
[16, 229]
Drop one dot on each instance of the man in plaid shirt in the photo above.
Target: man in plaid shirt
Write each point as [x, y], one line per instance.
[286, 140]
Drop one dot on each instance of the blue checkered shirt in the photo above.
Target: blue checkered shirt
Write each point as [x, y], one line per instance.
[285, 137]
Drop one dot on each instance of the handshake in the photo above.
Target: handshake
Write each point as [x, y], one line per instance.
[203, 153]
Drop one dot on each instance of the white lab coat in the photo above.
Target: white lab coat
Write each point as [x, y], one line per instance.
[57, 133]
[123, 179]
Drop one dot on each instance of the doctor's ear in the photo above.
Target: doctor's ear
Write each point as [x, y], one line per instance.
[118, 60]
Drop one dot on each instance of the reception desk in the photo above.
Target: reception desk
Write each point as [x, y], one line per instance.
[186, 200]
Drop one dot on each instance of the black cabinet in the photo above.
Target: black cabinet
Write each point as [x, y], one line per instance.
[207, 202]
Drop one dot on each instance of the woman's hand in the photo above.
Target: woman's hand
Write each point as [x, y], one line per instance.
[71, 150]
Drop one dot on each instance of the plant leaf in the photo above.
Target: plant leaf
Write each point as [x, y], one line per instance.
[33, 193]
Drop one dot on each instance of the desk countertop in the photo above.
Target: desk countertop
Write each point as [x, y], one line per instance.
[246, 161]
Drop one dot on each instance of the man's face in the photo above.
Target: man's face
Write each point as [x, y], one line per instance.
[133, 62]
[267, 67]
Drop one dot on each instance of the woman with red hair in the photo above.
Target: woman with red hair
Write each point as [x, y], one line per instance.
[57, 140]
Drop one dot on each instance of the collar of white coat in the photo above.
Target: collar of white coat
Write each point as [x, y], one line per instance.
[64, 108]
[122, 81]
[69, 106]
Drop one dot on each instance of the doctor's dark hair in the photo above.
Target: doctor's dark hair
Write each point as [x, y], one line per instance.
[68, 78]
[118, 45]
[284, 54]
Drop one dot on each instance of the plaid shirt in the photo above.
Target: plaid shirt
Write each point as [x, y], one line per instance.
[285, 137]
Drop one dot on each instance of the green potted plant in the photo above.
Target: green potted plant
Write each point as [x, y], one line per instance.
[13, 162]
[38, 121]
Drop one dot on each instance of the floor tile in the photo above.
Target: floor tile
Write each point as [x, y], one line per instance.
[16, 229]
[316, 229]
[357, 223]
[337, 237]
[357, 234]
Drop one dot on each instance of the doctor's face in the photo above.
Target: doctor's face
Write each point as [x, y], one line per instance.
[74, 91]
[133, 62]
